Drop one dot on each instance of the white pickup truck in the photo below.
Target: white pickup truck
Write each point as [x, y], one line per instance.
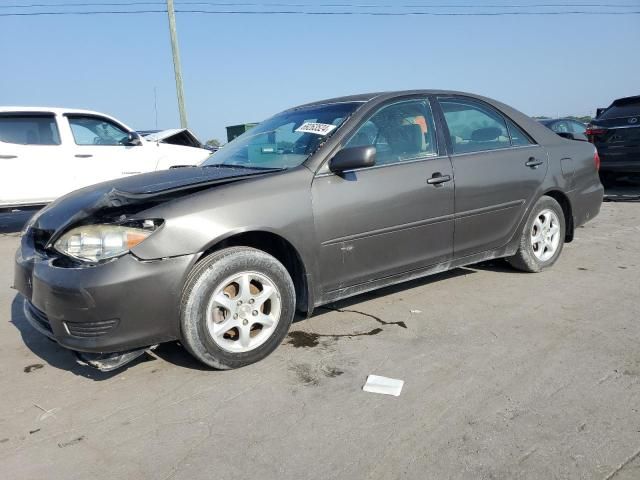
[48, 152]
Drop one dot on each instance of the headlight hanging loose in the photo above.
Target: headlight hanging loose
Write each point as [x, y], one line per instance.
[100, 242]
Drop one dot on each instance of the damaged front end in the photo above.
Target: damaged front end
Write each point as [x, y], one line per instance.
[108, 362]
[82, 286]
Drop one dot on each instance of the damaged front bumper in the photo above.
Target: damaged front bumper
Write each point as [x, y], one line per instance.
[121, 306]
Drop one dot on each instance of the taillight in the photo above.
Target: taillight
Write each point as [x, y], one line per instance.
[595, 130]
[596, 160]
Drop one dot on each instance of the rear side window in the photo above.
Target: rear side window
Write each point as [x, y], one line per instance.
[400, 132]
[622, 108]
[518, 137]
[474, 127]
[38, 129]
[88, 130]
[578, 127]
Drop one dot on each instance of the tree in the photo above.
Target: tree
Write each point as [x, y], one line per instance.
[214, 142]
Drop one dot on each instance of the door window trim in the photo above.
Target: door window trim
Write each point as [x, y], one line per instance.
[440, 153]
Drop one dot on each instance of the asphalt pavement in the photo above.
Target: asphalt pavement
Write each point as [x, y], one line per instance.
[507, 375]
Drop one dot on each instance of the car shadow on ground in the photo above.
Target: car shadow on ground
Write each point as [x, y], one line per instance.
[351, 302]
[622, 193]
[53, 354]
[173, 352]
[621, 188]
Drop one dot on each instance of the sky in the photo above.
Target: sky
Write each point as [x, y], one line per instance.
[244, 68]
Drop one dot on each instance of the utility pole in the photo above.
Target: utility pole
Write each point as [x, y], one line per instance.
[176, 63]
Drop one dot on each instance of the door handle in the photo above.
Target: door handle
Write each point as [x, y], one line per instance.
[533, 162]
[8, 157]
[437, 178]
[84, 155]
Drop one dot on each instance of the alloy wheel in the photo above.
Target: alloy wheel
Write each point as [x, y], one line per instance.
[545, 235]
[243, 312]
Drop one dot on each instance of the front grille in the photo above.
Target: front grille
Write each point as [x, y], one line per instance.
[90, 329]
[39, 317]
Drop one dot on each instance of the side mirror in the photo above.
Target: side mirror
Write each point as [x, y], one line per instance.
[134, 139]
[352, 158]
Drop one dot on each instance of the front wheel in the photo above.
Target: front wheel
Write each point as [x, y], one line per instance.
[542, 238]
[237, 306]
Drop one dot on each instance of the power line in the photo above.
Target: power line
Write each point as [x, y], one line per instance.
[316, 13]
[326, 5]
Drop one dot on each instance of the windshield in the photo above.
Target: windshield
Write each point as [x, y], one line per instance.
[285, 140]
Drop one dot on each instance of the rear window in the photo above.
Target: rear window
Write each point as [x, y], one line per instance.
[622, 108]
[29, 129]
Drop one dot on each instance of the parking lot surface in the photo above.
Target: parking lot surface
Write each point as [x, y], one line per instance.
[507, 375]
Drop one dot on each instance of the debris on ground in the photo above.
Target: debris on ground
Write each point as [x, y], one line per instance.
[384, 385]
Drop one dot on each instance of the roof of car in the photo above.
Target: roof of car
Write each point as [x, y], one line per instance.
[366, 97]
[633, 98]
[55, 110]
[562, 119]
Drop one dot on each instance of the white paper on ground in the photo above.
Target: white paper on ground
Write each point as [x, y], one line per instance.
[384, 385]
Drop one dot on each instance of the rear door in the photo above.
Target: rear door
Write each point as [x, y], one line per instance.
[33, 166]
[498, 170]
[387, 219]
[101, 150]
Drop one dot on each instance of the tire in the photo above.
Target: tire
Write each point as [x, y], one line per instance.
[227, 321]
[535, 256]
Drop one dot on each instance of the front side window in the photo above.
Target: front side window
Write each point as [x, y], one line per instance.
[474, 127]
[27, 129]
[285, 140]
[400, 132]
[88, 130]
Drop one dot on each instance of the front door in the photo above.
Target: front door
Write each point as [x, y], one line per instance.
[387, 219]
[499, 170]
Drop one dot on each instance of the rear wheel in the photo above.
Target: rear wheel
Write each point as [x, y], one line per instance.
[237, 307]
[542, 238]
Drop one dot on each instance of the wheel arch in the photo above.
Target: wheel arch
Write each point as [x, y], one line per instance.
[567, 210]
[281, 249]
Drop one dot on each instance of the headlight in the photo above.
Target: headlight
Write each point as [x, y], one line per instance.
[99, 242]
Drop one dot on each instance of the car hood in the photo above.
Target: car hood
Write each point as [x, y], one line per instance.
[177, 136]
[109, 200]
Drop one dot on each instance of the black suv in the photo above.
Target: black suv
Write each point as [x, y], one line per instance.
[616, 134]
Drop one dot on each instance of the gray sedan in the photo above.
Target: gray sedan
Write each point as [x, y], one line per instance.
[318, 203]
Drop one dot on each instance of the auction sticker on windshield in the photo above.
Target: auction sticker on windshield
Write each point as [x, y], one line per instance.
[317, 128]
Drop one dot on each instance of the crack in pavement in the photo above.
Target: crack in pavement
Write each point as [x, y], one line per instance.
[623, 464]
[377, 319]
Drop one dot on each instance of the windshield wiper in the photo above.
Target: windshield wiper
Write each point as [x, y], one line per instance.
[228, 165]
